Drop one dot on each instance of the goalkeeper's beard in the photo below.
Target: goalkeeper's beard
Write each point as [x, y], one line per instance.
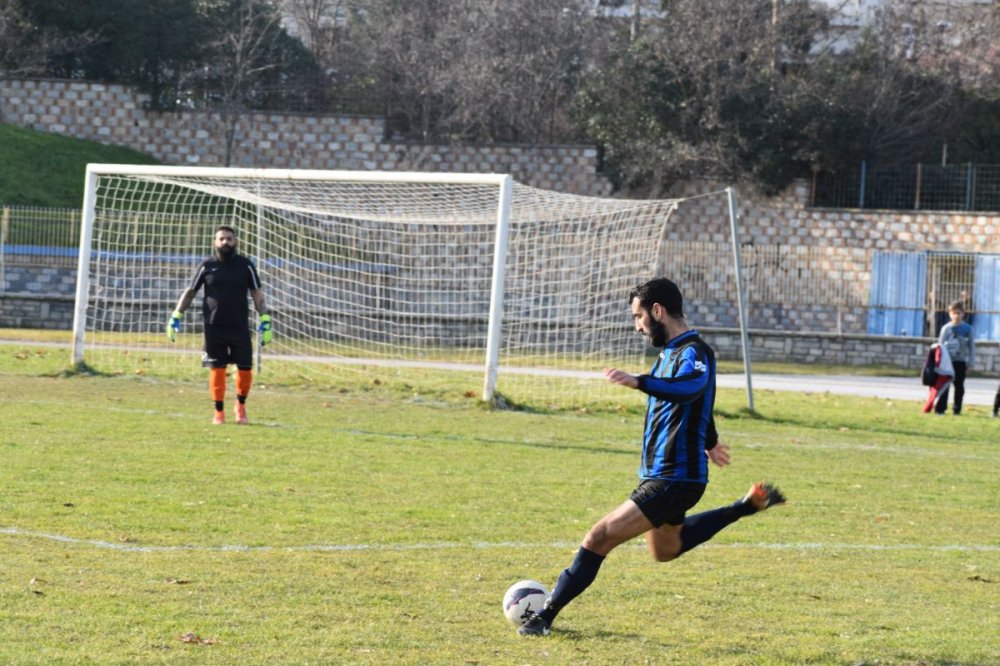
[225, 252]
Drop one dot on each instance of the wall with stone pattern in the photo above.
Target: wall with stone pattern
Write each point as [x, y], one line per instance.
[786, 224]
[115, 114]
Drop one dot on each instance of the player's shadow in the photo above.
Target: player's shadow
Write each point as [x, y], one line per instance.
[606, 635]
[490, 441]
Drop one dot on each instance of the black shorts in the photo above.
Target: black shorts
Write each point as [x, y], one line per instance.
[665, 502]
[227, 344]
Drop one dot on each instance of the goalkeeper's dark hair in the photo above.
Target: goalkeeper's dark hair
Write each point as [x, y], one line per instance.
[225, 227]
[662, 291]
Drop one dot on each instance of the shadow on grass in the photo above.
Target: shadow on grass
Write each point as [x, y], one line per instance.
[469, 439]
[810, 421]
[80, 369]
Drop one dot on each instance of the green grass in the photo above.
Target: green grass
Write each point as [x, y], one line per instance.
[55, 165]
[379, 523]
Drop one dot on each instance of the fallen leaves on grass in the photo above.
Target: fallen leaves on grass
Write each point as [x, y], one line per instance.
[191, 637]
[34, 583]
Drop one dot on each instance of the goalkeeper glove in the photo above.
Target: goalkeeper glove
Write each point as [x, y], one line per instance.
[265, 329]
[174, 325]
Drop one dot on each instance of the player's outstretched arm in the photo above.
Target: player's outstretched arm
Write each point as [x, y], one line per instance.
[616, 376]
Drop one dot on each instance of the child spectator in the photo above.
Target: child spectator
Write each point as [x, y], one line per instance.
[956, 337]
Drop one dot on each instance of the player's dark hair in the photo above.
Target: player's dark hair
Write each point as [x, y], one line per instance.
[226, 227]
[662, 291]
[956, 305]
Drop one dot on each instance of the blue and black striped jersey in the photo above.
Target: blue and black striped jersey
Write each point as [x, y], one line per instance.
[679, 422]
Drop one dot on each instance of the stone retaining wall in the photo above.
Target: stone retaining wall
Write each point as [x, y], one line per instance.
[115, 114]
[845, 238]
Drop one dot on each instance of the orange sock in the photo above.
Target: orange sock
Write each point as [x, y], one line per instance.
[244, 380]
[217, 384]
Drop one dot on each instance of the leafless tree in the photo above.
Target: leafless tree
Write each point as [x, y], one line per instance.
[520, 70]
[319, 24]
[247, 32]
[480, 70]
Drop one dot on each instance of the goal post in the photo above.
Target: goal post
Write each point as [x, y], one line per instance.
[400, 271]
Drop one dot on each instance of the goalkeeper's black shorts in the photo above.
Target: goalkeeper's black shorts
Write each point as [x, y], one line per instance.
[228, 344]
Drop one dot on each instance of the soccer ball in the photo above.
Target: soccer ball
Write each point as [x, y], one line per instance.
[521, 597]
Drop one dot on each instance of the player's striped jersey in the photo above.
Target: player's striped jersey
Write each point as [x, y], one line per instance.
[679, 423]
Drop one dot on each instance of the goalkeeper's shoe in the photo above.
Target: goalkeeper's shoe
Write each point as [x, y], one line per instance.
[762, 495]
[219, 418]
[536, 625]
[241, 413]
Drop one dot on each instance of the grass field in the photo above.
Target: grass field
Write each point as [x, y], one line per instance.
[364, 520]
[43, 169]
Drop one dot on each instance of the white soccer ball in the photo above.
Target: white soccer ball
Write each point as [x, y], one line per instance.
[521, 597]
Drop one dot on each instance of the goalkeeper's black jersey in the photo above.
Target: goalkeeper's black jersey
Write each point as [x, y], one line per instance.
[227, 284]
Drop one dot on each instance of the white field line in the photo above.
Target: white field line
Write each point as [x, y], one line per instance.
[479, 545]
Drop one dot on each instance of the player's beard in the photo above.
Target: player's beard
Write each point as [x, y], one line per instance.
[657, 335]
[225, 252]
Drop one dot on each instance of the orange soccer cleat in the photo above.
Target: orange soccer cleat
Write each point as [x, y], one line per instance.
[763, 495]
[241, 414]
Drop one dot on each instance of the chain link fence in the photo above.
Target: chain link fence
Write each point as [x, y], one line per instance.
[953, 187]
[789, 288]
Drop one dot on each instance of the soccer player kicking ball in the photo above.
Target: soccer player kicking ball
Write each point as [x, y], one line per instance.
[679, 438]
[227, 277]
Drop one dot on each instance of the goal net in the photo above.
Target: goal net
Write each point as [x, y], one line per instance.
[511, 289]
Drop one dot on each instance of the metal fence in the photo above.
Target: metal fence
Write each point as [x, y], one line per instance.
[45, 229]
[827, 289]
[35, 238]
[952, 187]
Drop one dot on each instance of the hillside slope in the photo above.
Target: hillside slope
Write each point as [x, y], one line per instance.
[41, 169]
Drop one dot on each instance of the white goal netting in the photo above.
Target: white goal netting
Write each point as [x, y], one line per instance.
[363, 272]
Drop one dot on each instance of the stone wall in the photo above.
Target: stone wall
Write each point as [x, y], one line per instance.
[38, 280]
[117, 115]
[836, 245]
[54, 313]
[788, 219]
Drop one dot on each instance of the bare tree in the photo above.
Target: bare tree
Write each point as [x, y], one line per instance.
[479, 70]
[319, 24]
[519, 71]
[247, 31]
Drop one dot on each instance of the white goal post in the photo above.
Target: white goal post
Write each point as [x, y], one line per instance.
[447, 271]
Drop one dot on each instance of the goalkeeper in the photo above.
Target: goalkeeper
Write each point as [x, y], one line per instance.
[227, 277]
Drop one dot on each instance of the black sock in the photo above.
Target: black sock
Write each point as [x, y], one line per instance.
[242, 399]
[573, 581]
[219, 406]
[701, 527]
